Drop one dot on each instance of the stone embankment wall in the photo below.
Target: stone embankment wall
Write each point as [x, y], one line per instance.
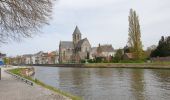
[112, 65]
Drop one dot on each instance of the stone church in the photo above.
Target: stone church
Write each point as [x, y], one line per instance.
[76, 50]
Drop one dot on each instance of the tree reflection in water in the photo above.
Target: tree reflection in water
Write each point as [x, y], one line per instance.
[138, 84]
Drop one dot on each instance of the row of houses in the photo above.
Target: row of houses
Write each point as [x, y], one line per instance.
[38, 58]
[104, 51]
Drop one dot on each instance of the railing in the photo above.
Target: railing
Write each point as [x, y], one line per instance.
[21, 78]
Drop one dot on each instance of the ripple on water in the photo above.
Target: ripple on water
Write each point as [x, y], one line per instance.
[108, 83]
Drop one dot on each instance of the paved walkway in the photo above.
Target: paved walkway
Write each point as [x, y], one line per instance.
[14, 89]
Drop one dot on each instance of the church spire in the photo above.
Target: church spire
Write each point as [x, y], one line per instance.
[76, 31]
[76, 36]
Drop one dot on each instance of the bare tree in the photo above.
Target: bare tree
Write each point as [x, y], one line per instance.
[135, 35]
[23, 18]
[150, 49]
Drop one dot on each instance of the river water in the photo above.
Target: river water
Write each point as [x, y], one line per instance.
[108, 83]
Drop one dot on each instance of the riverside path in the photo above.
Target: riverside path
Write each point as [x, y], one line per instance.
[14, 89]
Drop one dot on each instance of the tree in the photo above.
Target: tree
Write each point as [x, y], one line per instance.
[6, 61]
[150, 49]
[23, 18]
[134, 39]
[118, 56]
[163, 48]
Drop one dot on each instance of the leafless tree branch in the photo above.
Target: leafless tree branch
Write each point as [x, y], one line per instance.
[23, 18]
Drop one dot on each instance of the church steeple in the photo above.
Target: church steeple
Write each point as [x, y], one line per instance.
[76, 35]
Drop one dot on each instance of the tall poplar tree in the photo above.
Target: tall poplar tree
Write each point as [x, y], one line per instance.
[134, 39]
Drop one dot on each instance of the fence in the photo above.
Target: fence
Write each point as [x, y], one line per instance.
[161, 59]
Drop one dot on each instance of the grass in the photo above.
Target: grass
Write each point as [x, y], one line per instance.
[157, 65]
[17, 71]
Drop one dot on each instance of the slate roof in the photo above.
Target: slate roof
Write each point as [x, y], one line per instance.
[93, 50]
[81, 42]
[66, 44]
[106, 48]
[76, 31]
[27, 55]
[40, 52]
[129, 55]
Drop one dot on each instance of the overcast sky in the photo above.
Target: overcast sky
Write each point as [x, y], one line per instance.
[101, 21]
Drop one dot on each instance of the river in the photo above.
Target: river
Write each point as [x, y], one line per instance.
[108, 83]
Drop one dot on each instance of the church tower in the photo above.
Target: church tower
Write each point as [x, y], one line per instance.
[76, 36]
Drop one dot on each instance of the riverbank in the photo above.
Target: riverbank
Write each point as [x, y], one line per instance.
[18, 71]
[14, 89]
[130, 65]
[160, 65]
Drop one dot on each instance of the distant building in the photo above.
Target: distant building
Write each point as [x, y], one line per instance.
[40, 58]
[93, 52]
[103, 51]
[53, 57]
[127, 55]
[76, 50]
[27, 59]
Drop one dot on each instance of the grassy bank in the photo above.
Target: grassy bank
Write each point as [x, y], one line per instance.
[155, 65]
[17, 71]
[159, 65]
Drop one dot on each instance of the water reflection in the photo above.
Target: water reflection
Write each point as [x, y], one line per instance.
[163, 78]
[75, 79]
[137, 84]
[109, 83]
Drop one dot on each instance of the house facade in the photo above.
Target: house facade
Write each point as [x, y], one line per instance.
[103, 51]
[27, 59]
[45, 58]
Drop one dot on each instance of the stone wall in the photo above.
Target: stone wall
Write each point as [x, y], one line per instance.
[161, 59]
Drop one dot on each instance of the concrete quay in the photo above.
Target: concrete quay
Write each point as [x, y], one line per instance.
[14, 89]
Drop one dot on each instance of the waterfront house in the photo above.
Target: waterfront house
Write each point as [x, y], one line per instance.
[41, 58]
[93, 52]
[103, 51]
[27, 59]
[53, 57]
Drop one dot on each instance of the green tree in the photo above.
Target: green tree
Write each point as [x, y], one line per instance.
[23, 18]
[118, 56]
[163, 48]
[134, 39]
[6, 61]
[149, 50]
